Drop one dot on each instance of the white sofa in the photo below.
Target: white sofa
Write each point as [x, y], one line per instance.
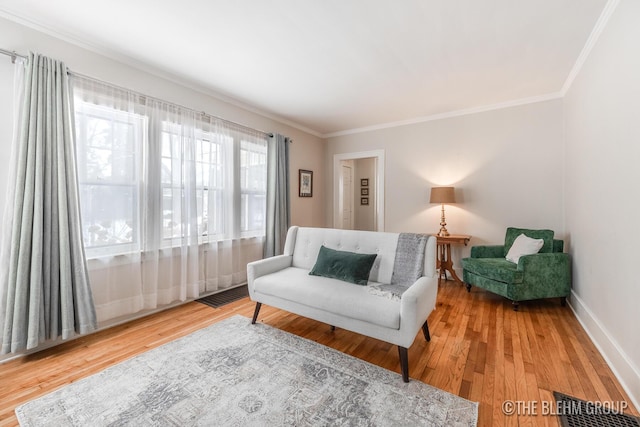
[284, 282]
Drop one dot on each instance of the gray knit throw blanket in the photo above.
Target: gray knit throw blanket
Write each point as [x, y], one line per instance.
[407, 267]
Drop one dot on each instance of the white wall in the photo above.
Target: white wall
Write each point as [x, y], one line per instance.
[506, 165]
[602, 196]
[306, 151]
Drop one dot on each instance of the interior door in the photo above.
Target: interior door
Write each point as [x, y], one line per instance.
[347, 197]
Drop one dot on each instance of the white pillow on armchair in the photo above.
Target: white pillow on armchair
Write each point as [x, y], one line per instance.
[523, 245]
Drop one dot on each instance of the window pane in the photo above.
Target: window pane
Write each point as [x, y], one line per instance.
[97, 164]
[109, 215]
[109, 148]
[123, 136]
[166, 171]
[215, 212]
[254, 208]
[98, 132]
[166, 144]
[203, 201]
[253, 185]
[171, 213]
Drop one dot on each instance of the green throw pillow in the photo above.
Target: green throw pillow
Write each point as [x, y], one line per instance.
[346, 266]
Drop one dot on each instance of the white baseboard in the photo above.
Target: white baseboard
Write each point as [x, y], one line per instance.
[623, 368]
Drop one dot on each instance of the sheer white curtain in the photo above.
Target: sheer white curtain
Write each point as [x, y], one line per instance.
[237, 192]
[167, 212]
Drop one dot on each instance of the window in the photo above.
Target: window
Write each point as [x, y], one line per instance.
[190, 184]
[109, 173]
[210, 160]
[253, 187]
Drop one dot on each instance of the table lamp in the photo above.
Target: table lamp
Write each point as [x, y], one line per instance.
[442, 195]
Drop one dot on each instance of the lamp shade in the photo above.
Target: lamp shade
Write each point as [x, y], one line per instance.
[442, 195]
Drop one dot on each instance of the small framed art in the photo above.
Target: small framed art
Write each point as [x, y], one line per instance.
[364, 200]
[364, 182]
[364, 191]
[305, 183]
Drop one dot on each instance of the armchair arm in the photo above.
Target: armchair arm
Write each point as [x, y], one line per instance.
[266, 266]
[558, 245]
[487, 251]
[548, 273]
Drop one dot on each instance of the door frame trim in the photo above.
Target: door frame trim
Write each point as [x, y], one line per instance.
[379, 187]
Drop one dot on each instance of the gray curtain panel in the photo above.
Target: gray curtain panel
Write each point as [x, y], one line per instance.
[278, 203]
[45, 286]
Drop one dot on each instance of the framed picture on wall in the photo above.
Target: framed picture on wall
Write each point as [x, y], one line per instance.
[305, 183]
[364, 200]
[364, 191]
[364, 182]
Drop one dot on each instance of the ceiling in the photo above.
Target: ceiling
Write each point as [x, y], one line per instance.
[335, 66]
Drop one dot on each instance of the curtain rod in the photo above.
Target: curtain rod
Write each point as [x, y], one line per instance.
[153, 98]
[15, 55]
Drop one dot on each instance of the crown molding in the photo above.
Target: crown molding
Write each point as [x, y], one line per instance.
[447, 115]
[601, 23]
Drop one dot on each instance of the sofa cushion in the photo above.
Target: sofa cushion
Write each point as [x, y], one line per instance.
[523, 245]
[498, 269]
[309, 240]
[332, 295]
[342, 265]
[545, 235]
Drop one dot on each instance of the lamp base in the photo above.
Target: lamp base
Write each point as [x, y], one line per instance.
[443, 225]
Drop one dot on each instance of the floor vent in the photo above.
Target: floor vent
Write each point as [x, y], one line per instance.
[575, 412]
[225, 297]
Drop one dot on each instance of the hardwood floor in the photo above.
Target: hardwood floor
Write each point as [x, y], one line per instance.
[480, 349]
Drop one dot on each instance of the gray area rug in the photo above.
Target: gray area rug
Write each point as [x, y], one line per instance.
[237, 374]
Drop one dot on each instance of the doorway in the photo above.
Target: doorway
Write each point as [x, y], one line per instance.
[358, 190]
[346, 194]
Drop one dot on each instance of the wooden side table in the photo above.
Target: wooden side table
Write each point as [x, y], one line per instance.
[444, 262]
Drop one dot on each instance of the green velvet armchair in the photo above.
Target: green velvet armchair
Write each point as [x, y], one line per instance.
[546, 274]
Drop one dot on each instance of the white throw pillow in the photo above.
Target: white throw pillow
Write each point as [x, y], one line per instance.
[524, 245]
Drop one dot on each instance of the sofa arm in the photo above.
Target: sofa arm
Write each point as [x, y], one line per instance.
[487, 251]
[418, 302]
[551, 271]
[266, 266]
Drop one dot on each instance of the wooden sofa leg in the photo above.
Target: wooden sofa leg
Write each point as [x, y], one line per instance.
[333, 328]
[515, 304]
[404, 363]
[255, 313]
[468, 287]
[425, 331]
[563, 301]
